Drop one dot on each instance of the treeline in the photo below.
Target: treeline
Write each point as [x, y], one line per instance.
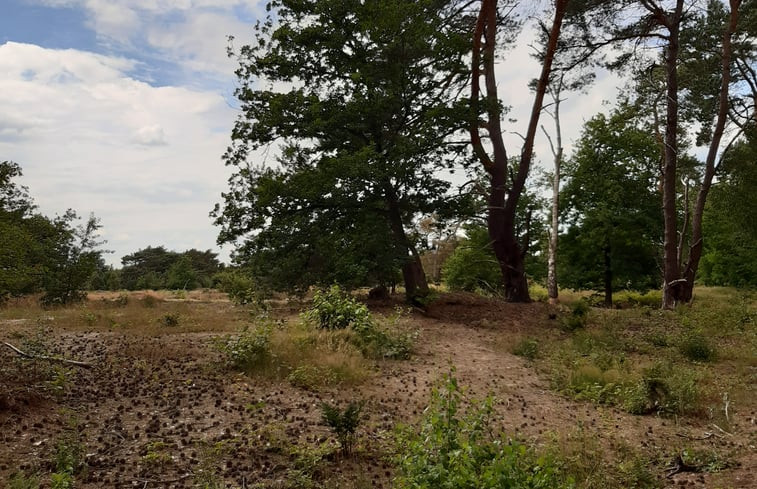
[158, 268]
[657, 193]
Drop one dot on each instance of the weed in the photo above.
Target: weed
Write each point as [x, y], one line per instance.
[527, 348]
[696, 347]
[250, 350]
[335, 309]
[343, 423]
[307, 466]
[311, 377]
[68, 461]
[149, 301]
[578, 316]
[454, 449]
[665, 389]
[169, 320]
[19, 480]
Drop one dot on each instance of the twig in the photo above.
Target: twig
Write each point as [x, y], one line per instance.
[722, 430]
[48, 358]
[707, 434]
[164, 481]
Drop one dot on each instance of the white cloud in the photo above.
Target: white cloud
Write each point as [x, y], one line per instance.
[192, 33]
[144, 159]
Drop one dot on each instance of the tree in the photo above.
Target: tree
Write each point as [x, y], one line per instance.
[147, 268]
[504, 197]
[363, 98]
[730, 219]
[39, 253]
[71, 259]
[698, 61]
[611, 205]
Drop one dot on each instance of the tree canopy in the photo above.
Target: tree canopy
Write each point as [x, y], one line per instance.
[360, 102]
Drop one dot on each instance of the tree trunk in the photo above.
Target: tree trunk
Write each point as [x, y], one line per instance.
[608, 276]
[695, 252]
[557, 152]
[416, 286]
[503, 202]
[671, 271]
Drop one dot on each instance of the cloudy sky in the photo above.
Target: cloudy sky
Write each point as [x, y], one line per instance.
[124, 108]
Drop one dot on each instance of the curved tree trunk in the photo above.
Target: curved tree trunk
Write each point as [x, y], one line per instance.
[503, 201]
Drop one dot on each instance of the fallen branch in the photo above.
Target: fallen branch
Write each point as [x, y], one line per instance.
[48, 358]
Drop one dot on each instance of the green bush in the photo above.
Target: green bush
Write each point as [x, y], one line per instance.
[335, 309]
[343, 423]
[697, 347]
[472, 266]
[527, 348]
[455, 449]
[578, 316]
[240, 287]
[169, 320]
[664, 389]
[250, 350]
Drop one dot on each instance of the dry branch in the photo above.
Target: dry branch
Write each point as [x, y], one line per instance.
[48, 358]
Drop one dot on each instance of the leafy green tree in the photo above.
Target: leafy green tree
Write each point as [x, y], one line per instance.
[39, 253]
[182, 275]
[146, 268]
[730, 219]
[363, 98]
[612, 208]
[72, 258]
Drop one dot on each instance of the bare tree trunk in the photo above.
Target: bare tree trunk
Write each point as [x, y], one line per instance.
[608, 276]
[557, 152]
[416, 285]
[695, 251]
[671, 271]
[503, 202]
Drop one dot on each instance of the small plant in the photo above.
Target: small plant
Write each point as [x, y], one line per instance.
[454, 449]
[343, 423]
[169, 320]
[68, 462]
[335, 309]
[122, 300]
[664, 389]
[696, 347]
[149, 301]
[250, 350]
[311, 377]
[527, 348]
[578, 317]
[20, 480]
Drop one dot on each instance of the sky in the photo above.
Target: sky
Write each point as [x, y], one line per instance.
[123, 108]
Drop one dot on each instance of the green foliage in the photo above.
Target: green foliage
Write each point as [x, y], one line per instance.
[614, 221]
[578, 316]
[364, 132]
[730, 219]
[454, 448]
[527, 348]
[68, 461]
[335, 309]
[240, 286]
[19, 480]
[343, 423]
[250, 350]
[158, 268]
[666, 389]
[473, 266]
[697, 347]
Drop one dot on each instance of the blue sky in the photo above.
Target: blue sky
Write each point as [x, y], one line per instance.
[123, 108]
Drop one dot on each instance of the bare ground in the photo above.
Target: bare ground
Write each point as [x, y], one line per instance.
[159, 410]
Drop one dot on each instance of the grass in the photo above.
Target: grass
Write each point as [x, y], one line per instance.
[646, 360]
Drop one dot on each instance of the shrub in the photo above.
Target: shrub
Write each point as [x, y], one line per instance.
[240, 287]
[343, 423]
[665, 390]
[578, 316]
[169, 320]
[696, 347]
[527, 348]
[455, 449]
[250, 350]
[335, 309]
[473, 266]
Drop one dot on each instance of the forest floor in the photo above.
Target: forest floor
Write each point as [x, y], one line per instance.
[160, 407]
